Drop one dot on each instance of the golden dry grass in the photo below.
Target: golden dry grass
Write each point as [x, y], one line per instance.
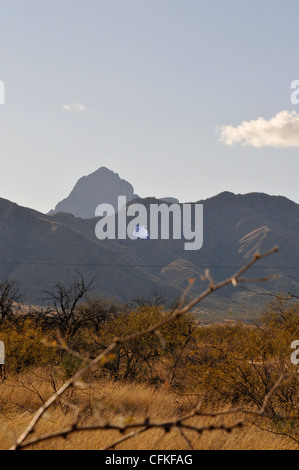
[118, 403]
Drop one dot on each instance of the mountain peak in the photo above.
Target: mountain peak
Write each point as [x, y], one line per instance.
[100, 187]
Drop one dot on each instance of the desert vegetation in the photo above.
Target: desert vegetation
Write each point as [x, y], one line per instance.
[90, 373]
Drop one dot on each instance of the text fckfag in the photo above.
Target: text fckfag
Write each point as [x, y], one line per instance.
[163, 222]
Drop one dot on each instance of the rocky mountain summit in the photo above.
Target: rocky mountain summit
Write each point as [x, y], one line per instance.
[102, 186]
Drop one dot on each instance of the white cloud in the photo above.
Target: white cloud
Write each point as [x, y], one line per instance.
[74, 107]
[281, 131]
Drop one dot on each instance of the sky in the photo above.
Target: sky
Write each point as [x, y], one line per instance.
[182, 98]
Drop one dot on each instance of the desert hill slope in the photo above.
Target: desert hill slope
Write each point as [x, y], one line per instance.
[38, 249]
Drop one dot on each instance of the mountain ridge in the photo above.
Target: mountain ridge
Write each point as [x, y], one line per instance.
[38, 250]
[103, 186]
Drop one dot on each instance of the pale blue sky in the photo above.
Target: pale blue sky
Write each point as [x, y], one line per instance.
[156, 77]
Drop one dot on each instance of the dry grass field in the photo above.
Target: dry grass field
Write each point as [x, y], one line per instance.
[136, 372]
[122, 403]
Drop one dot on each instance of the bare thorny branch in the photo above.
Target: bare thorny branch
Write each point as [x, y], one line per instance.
[138, 428]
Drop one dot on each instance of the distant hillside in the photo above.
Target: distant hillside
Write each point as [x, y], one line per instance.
[38, 250]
